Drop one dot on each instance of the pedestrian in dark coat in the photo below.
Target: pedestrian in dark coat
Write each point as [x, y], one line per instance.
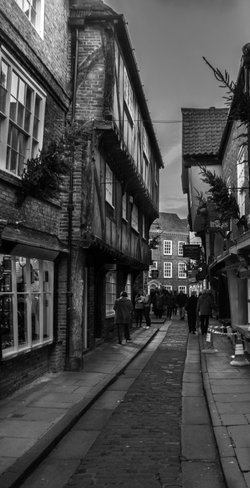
[191, 307]
[139, 308]
[181, 302]
[204, 310]
[123, 316]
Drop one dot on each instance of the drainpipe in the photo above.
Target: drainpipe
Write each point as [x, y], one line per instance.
[70, 212]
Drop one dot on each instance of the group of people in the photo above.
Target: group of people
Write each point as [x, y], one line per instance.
[198, 310]
[125, 312]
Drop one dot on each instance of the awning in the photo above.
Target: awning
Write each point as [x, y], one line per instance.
[21, 241]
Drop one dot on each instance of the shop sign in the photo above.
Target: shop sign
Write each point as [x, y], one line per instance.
[192, 251]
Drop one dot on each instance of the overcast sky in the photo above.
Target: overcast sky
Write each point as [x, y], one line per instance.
[170, 37]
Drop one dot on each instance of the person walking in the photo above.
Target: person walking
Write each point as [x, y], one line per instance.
[147, 307]
[181, 302]
[123, 308]
[139, 307]
[204, 310]
[191, 307]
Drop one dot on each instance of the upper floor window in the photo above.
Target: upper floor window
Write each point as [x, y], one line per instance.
[167, 247]
[22, 107]
[135, 218]
[128, 95]
[182, 270]
[34, 10]
[241, 183]
[167, 269]
[125, 206]
[109, 187]
[180, 247]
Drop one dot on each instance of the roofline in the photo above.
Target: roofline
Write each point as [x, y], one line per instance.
[124, 40]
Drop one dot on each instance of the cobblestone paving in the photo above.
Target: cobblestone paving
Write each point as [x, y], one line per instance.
[140, 445]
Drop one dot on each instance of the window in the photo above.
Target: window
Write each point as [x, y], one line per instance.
[167, 269]
[110, 194]
[153, 266]
[26, 303]
[144, 227]
[125, 206]
[180, 247]
[169, 287]
[110, 293]
[182, 270]
[128, 286]
[34, 10]
[135, 218]
[22, 106]
[241, 193]
[182, 288]
[167, 248]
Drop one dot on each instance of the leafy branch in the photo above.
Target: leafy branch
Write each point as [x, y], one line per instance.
[225, 202]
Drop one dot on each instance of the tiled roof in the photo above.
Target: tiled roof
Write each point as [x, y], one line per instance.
[93, 6]
[170, 222]
[202, 130]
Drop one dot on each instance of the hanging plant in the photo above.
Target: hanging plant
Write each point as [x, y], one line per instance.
[224, 201]
[43, 175]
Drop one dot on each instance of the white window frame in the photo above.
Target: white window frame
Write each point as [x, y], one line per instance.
[181, 270]
[168, 287]
[36, 292]
[35, 16]
[167, 247]
[110, 292]
[135, 218]
[21, 116]
[109, 186]
[241, 170]
[182, 288]
[168, 269]
[180, 247]
[128, 95]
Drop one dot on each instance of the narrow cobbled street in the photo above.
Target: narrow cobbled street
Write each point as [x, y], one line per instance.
[140, 445]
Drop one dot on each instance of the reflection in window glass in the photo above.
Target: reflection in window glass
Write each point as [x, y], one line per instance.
[26, 302]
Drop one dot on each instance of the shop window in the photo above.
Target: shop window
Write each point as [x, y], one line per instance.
[34, 11]
[22, 106]
[128, 286]
[110, 293]
[26, 303]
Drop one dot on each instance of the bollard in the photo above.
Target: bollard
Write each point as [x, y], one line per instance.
[209, 347]
[239, 355]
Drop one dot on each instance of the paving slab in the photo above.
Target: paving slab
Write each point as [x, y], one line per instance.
[240, 435]
[198, 442]
[194, 411]
[243, 456]
[205, 475]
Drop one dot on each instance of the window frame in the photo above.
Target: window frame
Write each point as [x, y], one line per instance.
[109, 186]
[167, 264]
[110, 295]
[181, 276]
[18, 110]
[135, 218]
[241, 172]
[182, 288]
[38, 24]
[180, 247]
[33, 293]
[166, 243]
